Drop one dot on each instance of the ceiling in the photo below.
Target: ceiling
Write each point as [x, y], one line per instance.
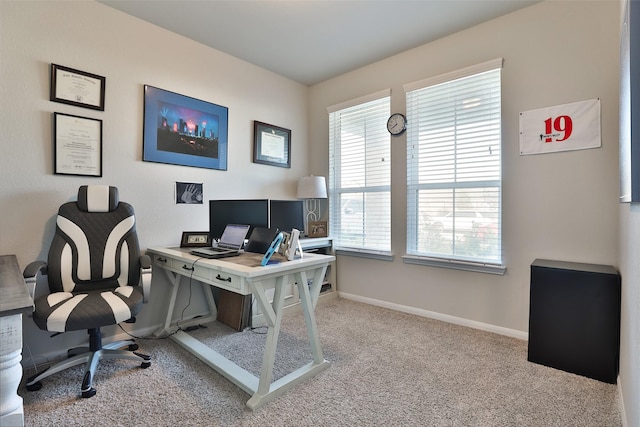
[310, 41]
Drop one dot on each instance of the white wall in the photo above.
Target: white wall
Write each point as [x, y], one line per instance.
[559, 206]
[130, 53]
[630, 310]
[630, 316]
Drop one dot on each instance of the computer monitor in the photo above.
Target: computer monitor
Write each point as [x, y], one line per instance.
[286, 215]
[253, 212]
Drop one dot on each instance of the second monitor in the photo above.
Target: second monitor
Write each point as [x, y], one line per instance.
[252, 212]
[285, 215]
[282, 214]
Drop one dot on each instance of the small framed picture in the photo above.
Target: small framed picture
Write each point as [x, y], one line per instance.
[189, 193]
[271, 145]
[194, 239]
[317, 228]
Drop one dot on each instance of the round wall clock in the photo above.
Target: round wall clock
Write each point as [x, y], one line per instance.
[397, 124]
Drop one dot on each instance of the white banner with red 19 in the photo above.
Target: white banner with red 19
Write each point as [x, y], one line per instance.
[567, 127]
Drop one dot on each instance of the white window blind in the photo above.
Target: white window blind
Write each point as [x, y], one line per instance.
[360, 175]
[454, 166]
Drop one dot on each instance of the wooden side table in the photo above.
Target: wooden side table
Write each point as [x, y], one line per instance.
[14, 301]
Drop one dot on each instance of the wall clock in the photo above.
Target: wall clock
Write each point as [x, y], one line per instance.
[397, 124]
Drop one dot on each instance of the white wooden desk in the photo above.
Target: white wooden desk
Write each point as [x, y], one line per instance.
[243, 275]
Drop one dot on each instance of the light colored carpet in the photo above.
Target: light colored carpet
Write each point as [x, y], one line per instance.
[388, 369]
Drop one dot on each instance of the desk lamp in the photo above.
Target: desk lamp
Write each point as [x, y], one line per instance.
[311, 188]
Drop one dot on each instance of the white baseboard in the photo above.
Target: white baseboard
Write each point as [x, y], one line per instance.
[438, 316]
[623, 414]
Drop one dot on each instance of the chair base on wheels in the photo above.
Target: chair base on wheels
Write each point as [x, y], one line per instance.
[91, 358]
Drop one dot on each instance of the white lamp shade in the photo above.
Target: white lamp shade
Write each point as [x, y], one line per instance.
[312, 187]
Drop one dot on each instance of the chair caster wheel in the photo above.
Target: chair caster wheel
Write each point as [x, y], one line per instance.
[145, 365]
[133, 347]
[34, 387]
[89, 393]
[144, 356]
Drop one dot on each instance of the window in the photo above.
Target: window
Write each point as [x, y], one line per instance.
[360, 175]
[454, 169]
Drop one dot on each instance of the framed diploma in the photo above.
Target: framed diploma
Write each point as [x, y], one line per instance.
[77, 145]
[271, 145]
[75, 87]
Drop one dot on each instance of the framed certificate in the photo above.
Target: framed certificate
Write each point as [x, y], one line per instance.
[77, 145]
[75, 87]
[271, 145]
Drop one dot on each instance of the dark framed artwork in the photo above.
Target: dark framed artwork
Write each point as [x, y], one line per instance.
[77, 145]
[75, 87]
[186, 131]
[271, 145]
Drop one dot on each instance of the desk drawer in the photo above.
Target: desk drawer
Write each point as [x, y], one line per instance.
[227, 281]
[184, 267]
[202, 272]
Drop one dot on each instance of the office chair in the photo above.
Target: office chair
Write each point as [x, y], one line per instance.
[94, 270]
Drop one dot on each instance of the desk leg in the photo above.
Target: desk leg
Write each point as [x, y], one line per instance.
[273, 315]
[309, 299]
[174, 280]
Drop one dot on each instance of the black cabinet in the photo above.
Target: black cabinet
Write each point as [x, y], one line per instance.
[574, 318]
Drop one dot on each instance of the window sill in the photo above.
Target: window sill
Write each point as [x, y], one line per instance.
[477, 267]
[382, 256]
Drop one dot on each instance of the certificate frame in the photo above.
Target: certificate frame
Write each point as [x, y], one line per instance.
[271, 145]
[75, 87]
[77, 145]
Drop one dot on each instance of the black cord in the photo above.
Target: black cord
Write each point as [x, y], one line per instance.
[151, 337]
[254, 328]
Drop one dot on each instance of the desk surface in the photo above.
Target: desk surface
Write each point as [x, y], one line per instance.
[14, 297]
[246, 265]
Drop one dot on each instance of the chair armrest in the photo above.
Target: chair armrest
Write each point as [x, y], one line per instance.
[30, 275]
[145, 277]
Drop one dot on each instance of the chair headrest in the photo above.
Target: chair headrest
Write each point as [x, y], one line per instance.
[97, 198]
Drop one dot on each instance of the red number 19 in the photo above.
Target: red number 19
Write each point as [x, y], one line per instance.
[560, 124]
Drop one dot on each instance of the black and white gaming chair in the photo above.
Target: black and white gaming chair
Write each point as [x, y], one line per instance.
[94, 270]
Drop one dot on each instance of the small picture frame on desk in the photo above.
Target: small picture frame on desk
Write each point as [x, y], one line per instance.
[317, 229]
[195, 239]
[78, 88]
